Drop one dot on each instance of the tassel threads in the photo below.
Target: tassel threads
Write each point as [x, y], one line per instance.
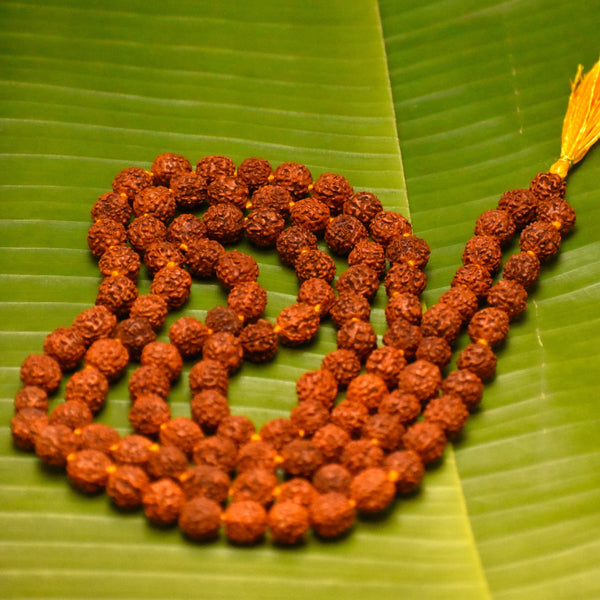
[581, 127]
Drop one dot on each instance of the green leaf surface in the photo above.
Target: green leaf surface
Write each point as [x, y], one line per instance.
[438, 107]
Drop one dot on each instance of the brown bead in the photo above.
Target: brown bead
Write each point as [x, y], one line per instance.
[148, 413]
[363, 206]
[273, 197]
[510, 296]
[66, 346]
[109, 356]
[211, 167]
[97, 436]
[278, 432]
[149, 379]
[403, 336]
[254, 172]
[426, 439]
[369, 253]
[292, 241]
[263, 226]
[135, 333]
[368, 389]
[343, 232]
[168, 164]
[216, 451]
[474, 277]
[144, 231]
[203, 480]
[331, 439]
[372, 490]
[42, 371]
[385, 429]
[132, 180]
[443, 321]
[200, 519]
[541, 238]
[225, 348]
[189, 190]
[297, 324]
[54, 443]
[167, 461]
[349, 305]
[254, 484]
[358, 279]
[94, 323]
[449, 412]
[466, 385]
[259, 341]
[188, 334]
[236, 267]
[558, 213]
[26, 425]
[343, 364]
[320, 385]
[301, 458]
[71, 413]
[404, 405]
[184, 229]
[404, 305]
[421, 378]
[297, 490]
[406, 468]
[31, 396]
[386, 362]
[317, 293]
[309, 416]
[404, 278]
[88, 470]
[209, 407]
[155, 201]
[163, 501]
[387, 225]
[310, 214]
[132, 449]
[126, 486]
[103, 234]
[479, 359]
[361, 454]
[256, 454]
[112, 206]
[223, 318]
[547, 185]
[332, 514]
[117, 293]
[288, 523]
[358, 336]
[209, 374]
[160, 254]
[410, 249]
[173, 284]
[226, 189]
[483, 250]
[182, 433]
[202, 256]
[497, 224]
[332, 477]
[520, 205]
[224, 223]
[333, 190]
[294, 177]
[238, 428]
[120, 260]
[434, 349]
[522, 268]
[165, 356]
[245, 522]
[461, 299]
[489, 324]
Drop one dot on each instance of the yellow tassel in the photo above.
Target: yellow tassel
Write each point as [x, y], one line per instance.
[581, 127]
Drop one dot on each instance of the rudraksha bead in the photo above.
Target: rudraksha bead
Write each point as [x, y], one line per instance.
[332, 189]
[520, 205]
[408, 248]
[96, 436]
[331, 440]
[310, 214]
[236, 267]
[523, 268]
[308, 416]
[407, 469]
[443, 321]
[479, 359]
[489, 324]
[211, 167]
[88, 470]
[298, 490]
[148, 379]
[200, 519]
[358, 336]
[167, 461]
[132, 449]
[163, 501]
[361, 454]
[66, 346]
[370, 253]
[363, 206]
[238, 428]
[94, 323]
[348, 306]
[372, 490]
[547, 185]
[387, 225]
[42, 371]
[497, 224]
[404, 405]
[151, 307]
[208, 408]
[508, 295]
[541, 238]
[320, 385]
[421, 378]
[112, 206]
[248, 300]
[385, 429]
[449, 412]
[278, 432]
[358, 279]
[259, 341]
[148, 413]
[254, 172]
[263, 226]
[184, 228]
[135, 333]
[160, 254]
[483, 250]
[368, 389]
[109, 356]
[427, 439]
[188, 334]
[216, 451]
[104, 234]
[273, 197]
[404, 336]
[71, 413]
[317, 293]
[181, 432]
[466, 385]
[294, 177]
[297, 324]
[26, 425]
[386, 362]
[474, 277]
[301, 458]
[314, 263]
[189, 190]
[165, 356]
[254, 484]
[344, 364]
[203, 480]
[223, 318]
[132, 180]
[461, 299]
[245, 522]
[224, 347]
[256, 454]
[166, 165]
[404, 305]
[332, 514]
[54, 443]
[144, 231]
[158, 202]
[31, 396]
[173, 284]
[120, 260]
[117, 293]
[343, 232]
[202, 255]
[404, 278]
[434, 349]
[558, 213]
[224, 223]
[126, 486]
[332, 477]
[226, 189]
[350, 416]
[288, 523]
[292, 241]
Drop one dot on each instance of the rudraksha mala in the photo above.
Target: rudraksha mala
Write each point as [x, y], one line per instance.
[334, 456]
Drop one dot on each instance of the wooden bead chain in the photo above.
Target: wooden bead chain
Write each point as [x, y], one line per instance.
[330, 459]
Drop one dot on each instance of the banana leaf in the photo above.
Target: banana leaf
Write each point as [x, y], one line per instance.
[438, 108]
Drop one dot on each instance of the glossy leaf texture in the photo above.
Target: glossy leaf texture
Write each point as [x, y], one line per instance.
[438, 109]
